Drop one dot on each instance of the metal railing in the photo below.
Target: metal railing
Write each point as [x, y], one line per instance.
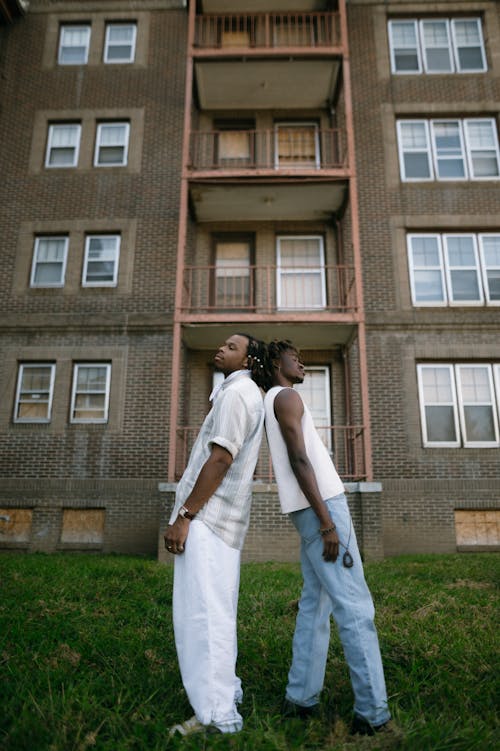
[269, 289]
[345, 443]
[293, 148]
[267, 31]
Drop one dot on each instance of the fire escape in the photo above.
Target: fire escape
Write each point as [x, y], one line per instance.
[268, 237]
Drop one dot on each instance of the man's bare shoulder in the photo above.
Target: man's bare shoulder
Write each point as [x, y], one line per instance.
[286, 401]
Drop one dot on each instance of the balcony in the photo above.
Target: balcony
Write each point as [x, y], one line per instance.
[267, 60]
[286, 150]
[278, 32]
[345, 443]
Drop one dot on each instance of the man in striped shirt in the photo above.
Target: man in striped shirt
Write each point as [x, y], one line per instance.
[207, 529]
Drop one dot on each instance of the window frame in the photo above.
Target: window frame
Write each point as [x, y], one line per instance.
[94, 421]
[484, 268]
[35, 262]
[52, 128]
[229, 238]
[98, 145]
[109, 26]
[453, 46]
[433, 154]
[62, 28]
[327, 401]
[445, 269]
[89, 237]
[21, 368]
[301, 270]
[462, 406]
[458, 404]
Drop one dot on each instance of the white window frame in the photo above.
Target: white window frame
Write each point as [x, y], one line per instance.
[432, 153]
[108, 43]
[449, 268]
[326, 437]
[52, 130]
[74, 393]
[423, 404]
[445, 269]
[392, 47]
[438, 155]
[456, 47]
[458, 404]
[73, 27]
[427, 150]
[116, 261]
[36, 263]
[461, 406]
[125, 145]
[453, 46]
[485, 267]
[297, 124]
[282, 272]
[19, 392]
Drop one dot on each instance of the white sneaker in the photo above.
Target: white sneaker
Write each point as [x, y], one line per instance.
[190, 727]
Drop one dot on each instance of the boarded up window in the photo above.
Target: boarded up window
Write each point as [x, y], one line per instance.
[15, 524]
[83, 526]
[477, 528]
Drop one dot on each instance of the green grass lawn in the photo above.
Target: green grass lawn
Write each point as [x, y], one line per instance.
[87, 659]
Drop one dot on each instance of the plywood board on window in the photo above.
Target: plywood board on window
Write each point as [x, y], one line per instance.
[477, 527]
[15, 524]
[83, 526]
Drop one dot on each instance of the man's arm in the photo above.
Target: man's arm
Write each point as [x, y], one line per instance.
[289, 411]
[211, 475]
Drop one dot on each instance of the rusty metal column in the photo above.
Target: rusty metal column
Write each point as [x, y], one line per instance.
[354, 206]
[181, 247]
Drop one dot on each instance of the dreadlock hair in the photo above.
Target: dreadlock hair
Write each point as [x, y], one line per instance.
[274, 352]
[258, 361]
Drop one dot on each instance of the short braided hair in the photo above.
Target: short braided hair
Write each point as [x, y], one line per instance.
[274, 351]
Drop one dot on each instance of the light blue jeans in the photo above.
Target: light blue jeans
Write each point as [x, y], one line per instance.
[331, 589]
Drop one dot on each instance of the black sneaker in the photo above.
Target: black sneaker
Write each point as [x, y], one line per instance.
[360, 726]
[290, 709]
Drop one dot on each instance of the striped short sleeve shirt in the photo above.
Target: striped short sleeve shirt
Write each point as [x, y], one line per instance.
[235, 422]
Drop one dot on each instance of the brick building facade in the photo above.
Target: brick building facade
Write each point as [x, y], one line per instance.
[323, 171]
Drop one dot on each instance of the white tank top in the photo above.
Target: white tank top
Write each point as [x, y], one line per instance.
[291, 496]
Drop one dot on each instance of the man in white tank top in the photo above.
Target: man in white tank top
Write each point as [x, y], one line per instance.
[311, 492]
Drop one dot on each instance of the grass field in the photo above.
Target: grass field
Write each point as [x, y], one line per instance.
[87, 659]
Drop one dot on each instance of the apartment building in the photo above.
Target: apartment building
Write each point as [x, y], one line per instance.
[321, 171]
[90, 139]
[426, 101]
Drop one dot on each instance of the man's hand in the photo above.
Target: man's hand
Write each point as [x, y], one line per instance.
[176, 535]
[331, 546]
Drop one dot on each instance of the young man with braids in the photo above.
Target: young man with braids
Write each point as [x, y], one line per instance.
[206, 533]
[311, 492]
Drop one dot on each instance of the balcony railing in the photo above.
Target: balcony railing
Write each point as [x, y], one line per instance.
[345, 443]
[267, 31]
[280, 149]
[269, 289]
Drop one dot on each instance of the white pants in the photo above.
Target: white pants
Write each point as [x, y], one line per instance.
[205, 602]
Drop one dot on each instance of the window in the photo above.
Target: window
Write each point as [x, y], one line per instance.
[454, 269]
[120, 43]
[111, 144]
[437, 45]
[233, 273]
[300, 273]
[49, 262]
[100, 265]
[458, 404]
[235, 143]
[296, 146]
[315, 390]
[74, 45]
[90, 397]
[35, 387]
[448, 149]
[63, 145]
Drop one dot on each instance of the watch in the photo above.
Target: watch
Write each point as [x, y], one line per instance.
[186, 514]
